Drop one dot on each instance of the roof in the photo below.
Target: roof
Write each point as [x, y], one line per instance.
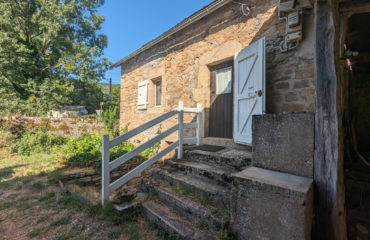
[206, 10]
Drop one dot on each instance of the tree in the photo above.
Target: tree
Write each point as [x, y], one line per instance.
[48, 50]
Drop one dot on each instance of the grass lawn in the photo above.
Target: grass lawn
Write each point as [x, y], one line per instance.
[32, 206]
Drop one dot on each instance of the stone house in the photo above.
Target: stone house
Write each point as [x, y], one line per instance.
[272, 77]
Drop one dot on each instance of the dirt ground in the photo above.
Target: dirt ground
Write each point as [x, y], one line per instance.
[33, 206]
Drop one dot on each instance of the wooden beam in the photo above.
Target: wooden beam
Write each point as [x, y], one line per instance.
[355, 7]
[328, 163]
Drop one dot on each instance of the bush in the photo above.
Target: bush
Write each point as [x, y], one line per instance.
[85, 150]
[110, 119]
[6, 137]
[37, 140]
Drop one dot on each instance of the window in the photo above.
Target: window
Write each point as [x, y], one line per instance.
[223, 80]
[157, 92]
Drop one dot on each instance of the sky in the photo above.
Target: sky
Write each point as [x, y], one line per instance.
[129, 24]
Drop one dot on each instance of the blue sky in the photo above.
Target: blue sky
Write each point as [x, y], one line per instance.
[129, 24]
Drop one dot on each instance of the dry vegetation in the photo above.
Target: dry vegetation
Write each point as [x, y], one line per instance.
[33, 206]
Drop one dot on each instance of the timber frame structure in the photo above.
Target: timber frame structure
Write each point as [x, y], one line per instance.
[330, 214]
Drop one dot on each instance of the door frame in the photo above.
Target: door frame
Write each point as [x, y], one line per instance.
[212, 74]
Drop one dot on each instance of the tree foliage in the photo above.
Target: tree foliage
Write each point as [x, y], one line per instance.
[50, 54]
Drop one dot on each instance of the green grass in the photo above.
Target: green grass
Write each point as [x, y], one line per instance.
[42, 218]
[34, 232]
[37, 186]
[18, 166]
[162, 233]
[114, 233]
[47, 197]
[7, 204]
[133, 232]
[60, 221]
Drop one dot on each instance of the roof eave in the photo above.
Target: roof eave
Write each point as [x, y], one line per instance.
[183, 24]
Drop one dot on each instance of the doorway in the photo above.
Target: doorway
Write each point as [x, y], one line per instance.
[357, 125]
[221, 109]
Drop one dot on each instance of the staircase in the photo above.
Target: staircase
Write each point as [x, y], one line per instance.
[237, 194]
[228, 194]
[191, 197]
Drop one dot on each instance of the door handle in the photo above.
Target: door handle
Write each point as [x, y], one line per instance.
[259, 93]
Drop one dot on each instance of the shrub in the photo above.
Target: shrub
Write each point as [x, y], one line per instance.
[86, 150]
[110, 119]
[6, 137]
[151, 151]
[37, 140]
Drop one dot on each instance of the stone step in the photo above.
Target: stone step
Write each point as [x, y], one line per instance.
[207, 192]
[173, 223]
[206, 216]
[268, 204]
[209, 172]
[238, 159]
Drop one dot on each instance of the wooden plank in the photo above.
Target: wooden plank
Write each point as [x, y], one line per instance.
[136, 171]
[105, 170]
[126, 157]
[355, 7]
[328, 171]
[140, 129]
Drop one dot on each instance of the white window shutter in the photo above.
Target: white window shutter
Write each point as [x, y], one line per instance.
[142, 93]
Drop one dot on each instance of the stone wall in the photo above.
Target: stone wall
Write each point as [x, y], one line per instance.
[183, 61]
[65, 126]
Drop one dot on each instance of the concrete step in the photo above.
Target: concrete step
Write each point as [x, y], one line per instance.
[271, 205]
[238, 159]
[205, 215]
[210, 172]
[207, 192]
[173, 223]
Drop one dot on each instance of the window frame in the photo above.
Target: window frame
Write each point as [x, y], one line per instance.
[155, 82]
[214, 68]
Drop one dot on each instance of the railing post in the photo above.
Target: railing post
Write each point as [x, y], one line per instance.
[105, 171]
[181, 128]
[199, 123]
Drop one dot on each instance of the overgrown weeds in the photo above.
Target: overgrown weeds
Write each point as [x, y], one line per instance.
[36, 141]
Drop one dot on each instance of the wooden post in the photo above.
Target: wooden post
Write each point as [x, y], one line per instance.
[105, 170]
[181, 128]
[330, 219]
[199, 123]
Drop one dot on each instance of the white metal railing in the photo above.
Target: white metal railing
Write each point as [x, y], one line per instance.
[107, 166]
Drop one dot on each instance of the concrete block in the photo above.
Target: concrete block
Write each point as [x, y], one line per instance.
[284, 142]
[271, 205]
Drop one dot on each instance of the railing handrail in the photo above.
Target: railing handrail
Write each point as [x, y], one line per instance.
[136, 131]
[108, 166]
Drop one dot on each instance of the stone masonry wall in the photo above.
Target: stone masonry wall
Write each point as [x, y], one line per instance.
[183, 61]
[65, 126]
